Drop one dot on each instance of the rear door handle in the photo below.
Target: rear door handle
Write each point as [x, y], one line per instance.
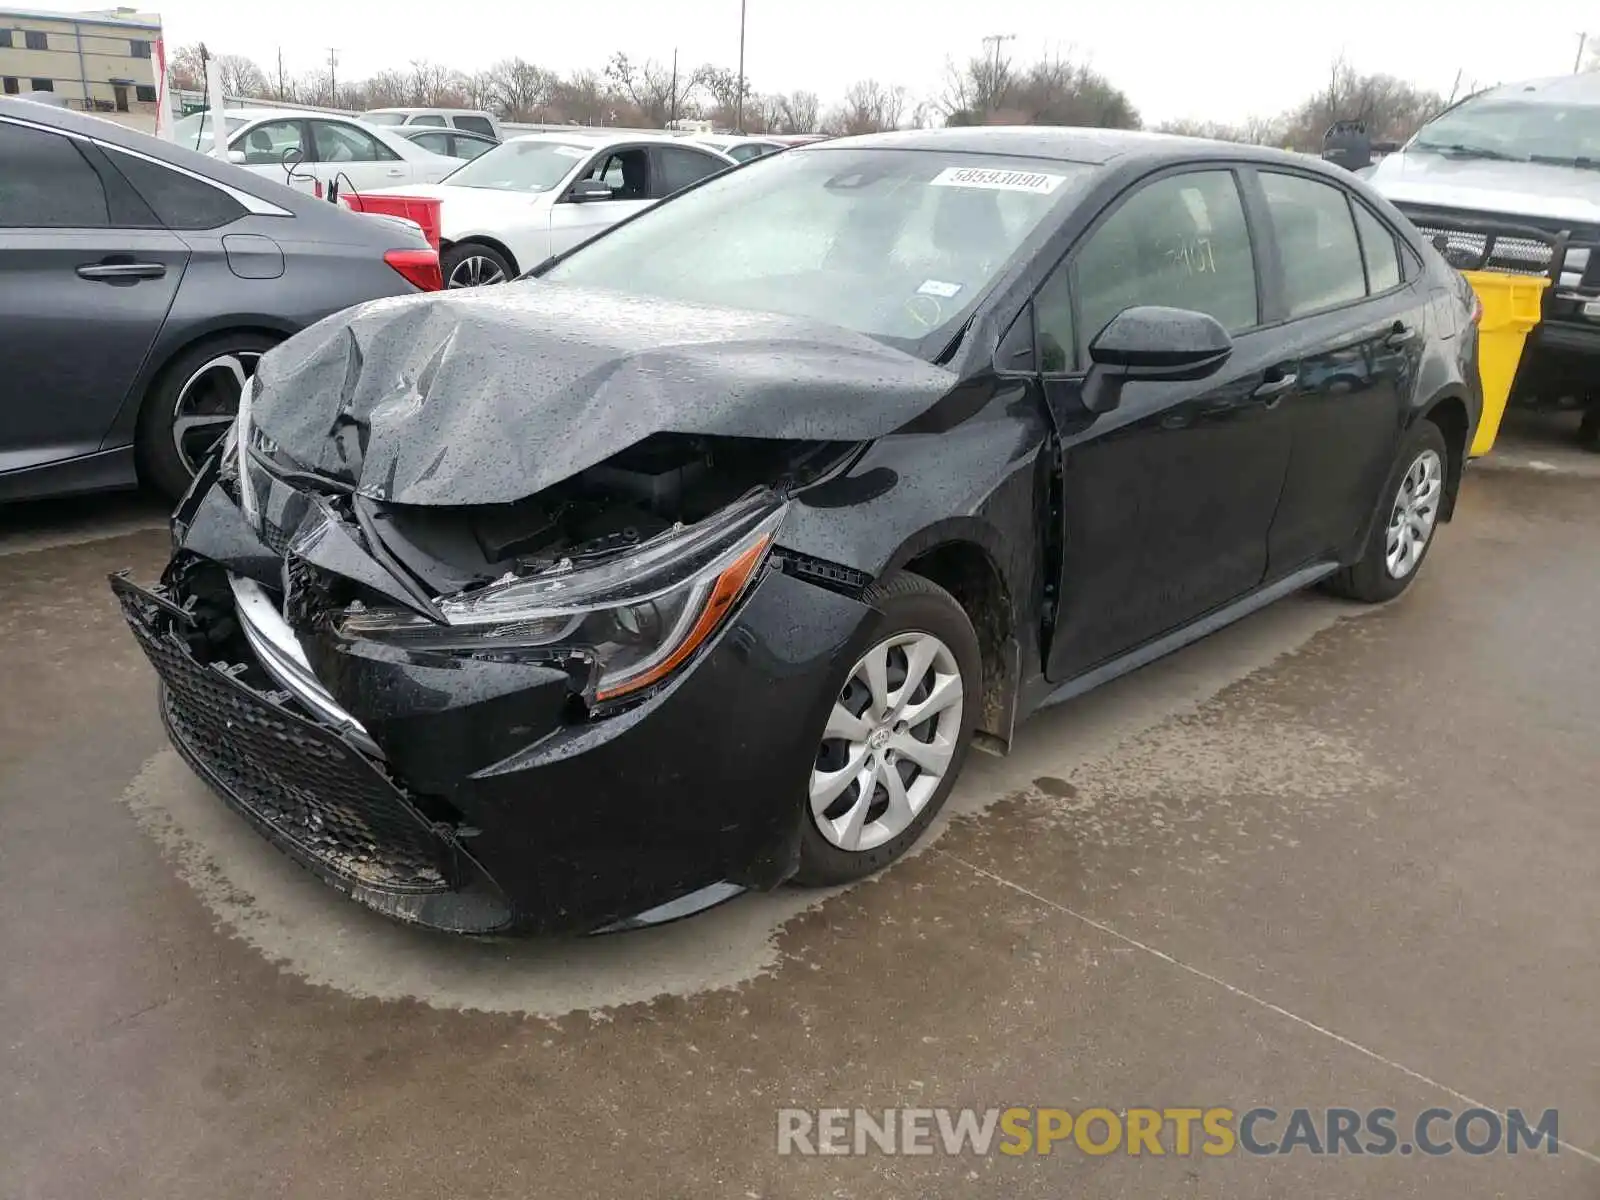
[1400, 335]
[1274, 390]
[125, 272]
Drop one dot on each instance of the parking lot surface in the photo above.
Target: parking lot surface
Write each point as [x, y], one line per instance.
[1330, 857]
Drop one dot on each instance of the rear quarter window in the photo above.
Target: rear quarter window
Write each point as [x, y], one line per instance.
[178, 201]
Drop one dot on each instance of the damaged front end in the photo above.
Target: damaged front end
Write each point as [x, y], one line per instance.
[582, 709]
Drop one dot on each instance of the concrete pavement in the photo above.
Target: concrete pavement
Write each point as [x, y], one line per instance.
[1330, 857]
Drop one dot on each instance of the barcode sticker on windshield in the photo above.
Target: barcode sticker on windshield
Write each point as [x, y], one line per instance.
[1037, 182]
[572, 151]
[939, 288]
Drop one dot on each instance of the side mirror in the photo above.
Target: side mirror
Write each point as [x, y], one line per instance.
[1152, 343]
[586, 190]
[236, 156]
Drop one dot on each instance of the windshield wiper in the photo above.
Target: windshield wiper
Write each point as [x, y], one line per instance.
[1464, 151]
[1582, 161]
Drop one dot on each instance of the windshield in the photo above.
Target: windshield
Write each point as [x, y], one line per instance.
[383, 118]
[1515, 129]
[521, 166]
[197, 131]
[896, 244]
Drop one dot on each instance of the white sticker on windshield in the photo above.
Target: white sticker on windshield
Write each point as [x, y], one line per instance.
[1038, 182]
[572, 151]
[939, 288]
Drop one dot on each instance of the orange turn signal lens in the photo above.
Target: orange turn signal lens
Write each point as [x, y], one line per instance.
[729, 586]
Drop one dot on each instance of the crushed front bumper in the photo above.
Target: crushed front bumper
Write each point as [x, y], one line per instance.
[473, 796]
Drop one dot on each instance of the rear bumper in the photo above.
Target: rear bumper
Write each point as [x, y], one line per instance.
[490, 804]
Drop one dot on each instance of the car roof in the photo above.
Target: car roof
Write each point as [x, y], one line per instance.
[1094, 147]
[1566, 90]
[589, 137]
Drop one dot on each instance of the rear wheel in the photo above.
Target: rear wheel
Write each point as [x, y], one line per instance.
[1407, 517]
[472, 264]
[190, 406]
[896, 737]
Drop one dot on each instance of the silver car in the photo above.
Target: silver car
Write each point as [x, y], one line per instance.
[140, 283]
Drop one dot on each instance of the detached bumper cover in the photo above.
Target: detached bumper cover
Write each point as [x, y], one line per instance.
[497, 805]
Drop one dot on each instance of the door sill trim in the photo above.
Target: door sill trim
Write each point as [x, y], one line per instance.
[1179, 638]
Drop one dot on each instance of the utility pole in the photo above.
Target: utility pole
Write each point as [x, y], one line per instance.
[1583, 44]
[672, 103]
[738, 104]
[333, 78]
[995, 39]
[280, 73]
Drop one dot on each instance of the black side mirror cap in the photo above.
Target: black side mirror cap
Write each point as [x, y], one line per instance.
[589, 189]
[1152, 343]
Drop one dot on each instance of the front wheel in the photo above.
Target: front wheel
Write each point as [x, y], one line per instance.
[896, 736]
[1407, 517]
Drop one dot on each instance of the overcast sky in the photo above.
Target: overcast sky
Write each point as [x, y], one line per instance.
[1217, 59]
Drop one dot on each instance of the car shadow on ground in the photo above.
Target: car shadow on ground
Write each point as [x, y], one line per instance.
[31, 525]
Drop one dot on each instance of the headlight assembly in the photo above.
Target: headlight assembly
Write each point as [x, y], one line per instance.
[636, 616]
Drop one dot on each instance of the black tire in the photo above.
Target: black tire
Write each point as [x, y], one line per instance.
[161, 465]
[1369, 579]
[907, 603]
[456, 258]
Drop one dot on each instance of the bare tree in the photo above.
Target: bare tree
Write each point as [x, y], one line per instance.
[434, 84]
[723, 91]
[800, 112]
[185, 71]
[522, 91]
[1053, 91]
[658, 91]
[240, 76]
[479, 91]
[978, 88]
[582, 98]
[386, 89]
[1390, 107]
[869, 106]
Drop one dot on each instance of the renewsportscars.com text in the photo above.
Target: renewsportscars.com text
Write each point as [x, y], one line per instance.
[1182, 1131]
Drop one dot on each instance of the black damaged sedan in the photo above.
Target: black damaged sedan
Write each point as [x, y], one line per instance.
[698, 561]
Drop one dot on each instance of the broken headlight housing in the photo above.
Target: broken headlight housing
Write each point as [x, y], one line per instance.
[635, 616]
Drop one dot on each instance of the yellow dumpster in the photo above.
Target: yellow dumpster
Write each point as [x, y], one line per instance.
[1511, 308]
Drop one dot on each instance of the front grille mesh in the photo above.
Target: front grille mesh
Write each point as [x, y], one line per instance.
[1513, 255]
[303, 783]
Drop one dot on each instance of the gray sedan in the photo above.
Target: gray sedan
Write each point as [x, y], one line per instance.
[140, 283]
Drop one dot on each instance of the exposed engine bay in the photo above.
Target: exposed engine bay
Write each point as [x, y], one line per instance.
[665, 480]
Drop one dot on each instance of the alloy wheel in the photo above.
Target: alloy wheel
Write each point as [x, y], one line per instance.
[889, 741]
[476, 271]
[1416, 509]
[207, 404]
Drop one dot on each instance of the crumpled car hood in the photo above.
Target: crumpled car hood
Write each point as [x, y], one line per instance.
[486, 396]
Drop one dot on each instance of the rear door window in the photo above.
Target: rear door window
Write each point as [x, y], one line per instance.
[47, 184]
[680, 166]
[439, 143]
[179, 201]
[338, 142]
[267, 143]
[1322, 263]
[475, 124]
[1379, 249]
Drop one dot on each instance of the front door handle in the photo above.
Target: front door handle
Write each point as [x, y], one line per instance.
[122, 272]
[396, 172]
[1274, 390]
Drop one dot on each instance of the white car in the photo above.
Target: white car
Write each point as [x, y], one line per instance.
[320, 146]
[738, 146]
[473, 120]
[543, 193]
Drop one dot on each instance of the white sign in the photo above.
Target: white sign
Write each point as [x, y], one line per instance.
[939, 288]
[1037, 182]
